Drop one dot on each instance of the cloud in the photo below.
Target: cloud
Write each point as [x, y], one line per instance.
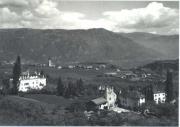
[155, 15]
[44, 14]
[47, 9]
[14, 2]
[7, 15]
[27, 15]
[20, 3]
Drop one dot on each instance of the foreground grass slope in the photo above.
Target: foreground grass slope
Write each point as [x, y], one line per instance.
[23, 111]
[16, 110]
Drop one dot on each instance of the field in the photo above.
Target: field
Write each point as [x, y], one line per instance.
[51, 99]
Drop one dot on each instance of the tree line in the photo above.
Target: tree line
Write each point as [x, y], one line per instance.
[70, 89]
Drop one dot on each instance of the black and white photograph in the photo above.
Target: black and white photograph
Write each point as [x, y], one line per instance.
[89, 63]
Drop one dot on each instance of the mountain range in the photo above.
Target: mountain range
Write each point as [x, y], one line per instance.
[168, 45]
[92, 45]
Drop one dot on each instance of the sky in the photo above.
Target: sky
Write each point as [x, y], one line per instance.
[118, 16]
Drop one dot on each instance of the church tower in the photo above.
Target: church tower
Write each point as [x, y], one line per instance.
[111, 97]
[49, 62]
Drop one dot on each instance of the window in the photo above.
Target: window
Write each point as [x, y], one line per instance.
[41, 84]
[26, 84]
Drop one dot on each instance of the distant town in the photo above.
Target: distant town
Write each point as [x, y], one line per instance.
[91, 89]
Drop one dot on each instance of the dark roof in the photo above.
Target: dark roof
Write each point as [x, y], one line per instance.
[98, 101]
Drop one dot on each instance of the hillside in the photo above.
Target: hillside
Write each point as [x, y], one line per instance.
[168, 45]
[161, 67]
[63, 46]
[164, 65]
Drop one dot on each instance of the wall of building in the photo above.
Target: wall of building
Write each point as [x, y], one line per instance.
[141, 101]
[159, 97]
[103, 106]
[111, 97]
[32, 83]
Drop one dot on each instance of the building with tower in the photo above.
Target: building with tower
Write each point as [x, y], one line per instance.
[108, 101]
[111, 97]
[50, 63]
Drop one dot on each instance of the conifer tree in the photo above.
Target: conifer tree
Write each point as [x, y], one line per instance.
[149, 93]
[80, 86]
[72, 89]
[42, 73]
[66, 91]
[60, 87]
[169, 87]
[16, 75]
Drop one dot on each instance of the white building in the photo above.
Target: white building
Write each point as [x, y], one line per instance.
[110, 73]
[29, 82]
[50, 63]
[108, 101]
[159, 97]
[71, 66]
[159, 94]
[141, 101]
[111, 97]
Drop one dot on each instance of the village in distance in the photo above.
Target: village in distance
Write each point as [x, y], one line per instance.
[89, 94]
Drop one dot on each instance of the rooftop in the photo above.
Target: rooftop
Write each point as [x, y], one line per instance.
[98, 101]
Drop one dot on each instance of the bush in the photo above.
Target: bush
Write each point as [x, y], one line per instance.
[168, 110]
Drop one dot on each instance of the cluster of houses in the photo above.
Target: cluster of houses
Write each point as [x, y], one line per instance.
[87, 66]
[124, 98]
[134, 75]
[107, 101]
[110, 99]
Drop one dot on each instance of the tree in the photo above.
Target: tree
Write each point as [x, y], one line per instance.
[149, 93]
[16, 75]
[72, 88]
[60, 87]
[169, 87]
[80, 86]
[5, 89]
[66, 91]
[42, 73]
